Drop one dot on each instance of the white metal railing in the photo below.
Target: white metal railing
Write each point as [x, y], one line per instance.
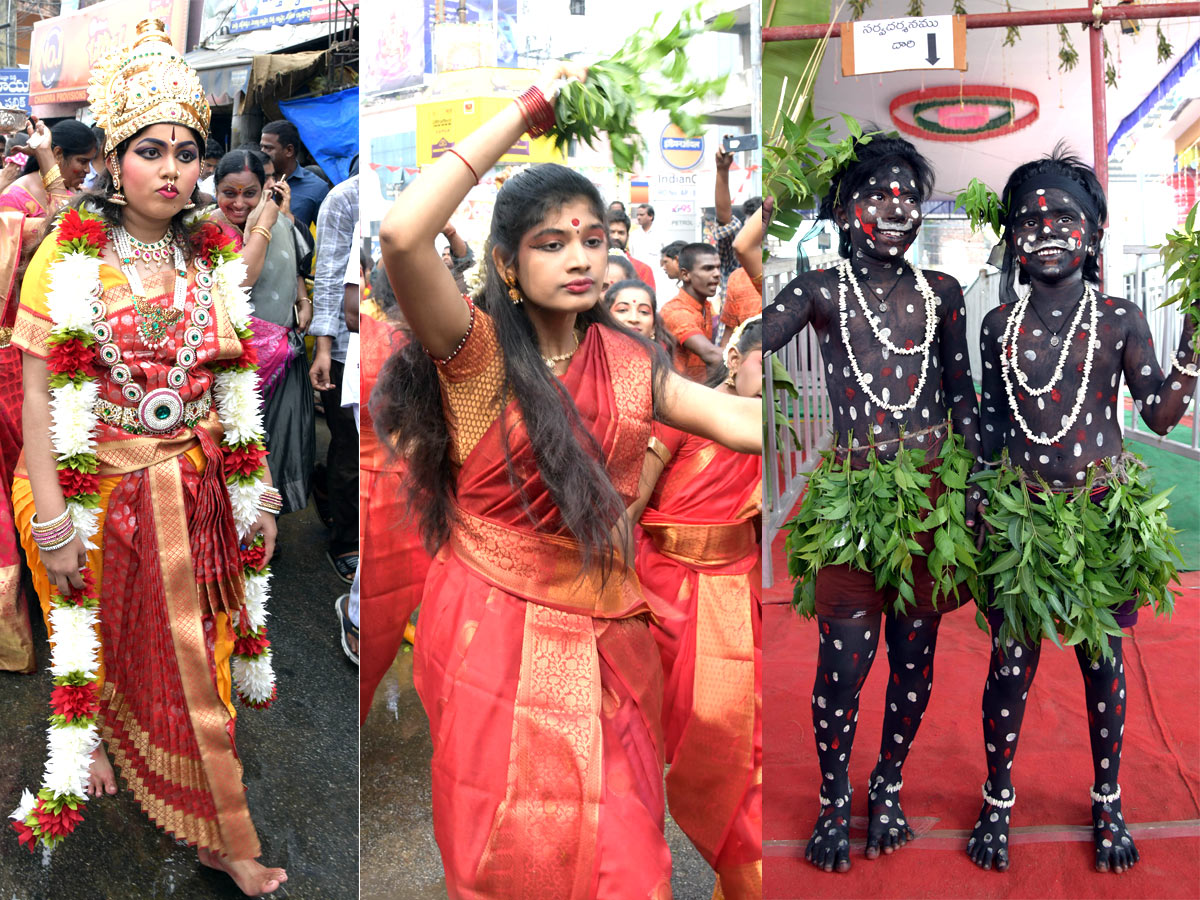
[786, 462]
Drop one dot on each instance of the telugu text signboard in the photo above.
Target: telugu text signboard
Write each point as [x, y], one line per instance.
[14, 89]
[896, 45]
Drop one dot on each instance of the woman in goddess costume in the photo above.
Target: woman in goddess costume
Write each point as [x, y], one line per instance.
[60, 159]
[143, 463]
[524, 422]
[699, 550]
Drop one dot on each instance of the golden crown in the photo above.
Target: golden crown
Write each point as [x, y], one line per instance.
[146, 83]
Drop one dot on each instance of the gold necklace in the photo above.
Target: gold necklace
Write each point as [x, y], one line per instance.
[550, 361]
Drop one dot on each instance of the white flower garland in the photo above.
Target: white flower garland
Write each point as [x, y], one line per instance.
[1008, 359]
[846, 274]
[1062, 355]
[239, 408]
[74, 281]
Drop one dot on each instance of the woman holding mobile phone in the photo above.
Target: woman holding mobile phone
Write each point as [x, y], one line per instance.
[282, 312]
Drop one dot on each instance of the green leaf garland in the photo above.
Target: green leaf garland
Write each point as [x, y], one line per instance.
[870, 518]
[648, 73]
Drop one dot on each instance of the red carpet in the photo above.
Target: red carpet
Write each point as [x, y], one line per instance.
[1052, 853]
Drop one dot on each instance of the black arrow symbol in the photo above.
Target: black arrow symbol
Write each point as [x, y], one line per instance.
[932, 57]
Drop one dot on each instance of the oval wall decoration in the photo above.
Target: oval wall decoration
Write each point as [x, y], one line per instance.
[966, 113]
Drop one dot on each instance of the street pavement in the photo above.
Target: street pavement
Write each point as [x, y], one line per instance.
[400, 859]
[300, 760]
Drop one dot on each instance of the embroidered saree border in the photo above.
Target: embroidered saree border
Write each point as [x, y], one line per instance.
[206, 710]
[543, 569]
[555, 770]
[701, 546]
[719, 737]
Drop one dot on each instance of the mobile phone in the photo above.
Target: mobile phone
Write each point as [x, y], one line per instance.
[733, 143]
[277, 196]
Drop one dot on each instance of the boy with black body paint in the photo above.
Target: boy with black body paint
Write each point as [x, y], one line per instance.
[893, 343]
[1052, 365]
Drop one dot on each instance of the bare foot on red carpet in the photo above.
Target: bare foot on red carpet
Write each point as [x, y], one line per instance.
[252, 877]
[101, 778]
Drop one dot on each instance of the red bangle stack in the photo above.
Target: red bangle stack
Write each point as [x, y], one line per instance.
[536, 110]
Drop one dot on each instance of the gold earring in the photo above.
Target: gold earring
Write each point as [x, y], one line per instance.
[117, 197]
[729, 382]
[514, 292]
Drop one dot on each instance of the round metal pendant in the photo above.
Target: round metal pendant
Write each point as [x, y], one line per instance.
[161, 411]
[1054, 340]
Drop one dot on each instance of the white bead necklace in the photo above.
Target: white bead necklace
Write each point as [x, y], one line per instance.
[1062, 354]
[846, 272]
[846, 275]
[1008, 359]
[155, 322]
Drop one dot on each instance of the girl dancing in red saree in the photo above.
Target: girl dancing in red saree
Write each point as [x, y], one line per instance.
[699, 551]
[524, 422]
[142, 466]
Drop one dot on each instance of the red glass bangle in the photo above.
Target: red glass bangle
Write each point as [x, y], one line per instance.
[470, 167]
[536, 110]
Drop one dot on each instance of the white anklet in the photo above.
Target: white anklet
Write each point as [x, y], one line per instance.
[1105, 798]
[1000, 804]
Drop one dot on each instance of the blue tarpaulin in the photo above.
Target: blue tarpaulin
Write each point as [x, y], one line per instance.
[328, 127]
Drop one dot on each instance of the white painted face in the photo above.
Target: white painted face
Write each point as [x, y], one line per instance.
[1051, 234]
[885, 213]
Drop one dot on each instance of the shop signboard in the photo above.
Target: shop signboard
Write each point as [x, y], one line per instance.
[64, 49]
[251, 15]
[14, 89]
[895, 45]
[499, 15]
[442, 124]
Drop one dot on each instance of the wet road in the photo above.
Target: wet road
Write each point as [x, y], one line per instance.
[300, 761]
[400, 858]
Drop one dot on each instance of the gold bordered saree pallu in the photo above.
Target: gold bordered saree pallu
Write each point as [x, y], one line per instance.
[541, 683]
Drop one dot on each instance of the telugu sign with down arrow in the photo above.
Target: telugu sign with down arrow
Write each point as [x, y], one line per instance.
[894, 45]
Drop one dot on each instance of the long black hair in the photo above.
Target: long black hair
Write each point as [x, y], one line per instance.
[70, 136]
[406, 404]
[1060, 163]
[870, 157]
[99, 199]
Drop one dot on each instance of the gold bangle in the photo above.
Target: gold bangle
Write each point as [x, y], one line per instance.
[50, 177]
[263, 230]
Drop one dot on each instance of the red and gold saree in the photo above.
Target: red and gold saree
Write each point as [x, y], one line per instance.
[168, 575]
[392, 561]
[699, 551]
[541, 682]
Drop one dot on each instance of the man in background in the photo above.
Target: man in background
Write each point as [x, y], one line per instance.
[280, 140]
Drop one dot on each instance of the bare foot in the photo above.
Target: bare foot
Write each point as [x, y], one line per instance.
[253, 878]
[101, 778]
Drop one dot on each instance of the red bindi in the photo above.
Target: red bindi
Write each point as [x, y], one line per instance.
[575, 222]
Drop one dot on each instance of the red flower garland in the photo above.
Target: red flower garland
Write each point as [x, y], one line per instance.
[245, 460]
[74, 481]
[74, 227]
[75, 701]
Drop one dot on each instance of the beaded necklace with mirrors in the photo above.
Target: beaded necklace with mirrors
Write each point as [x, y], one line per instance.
[160, 410]
[1010, 368]
[847, 280]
